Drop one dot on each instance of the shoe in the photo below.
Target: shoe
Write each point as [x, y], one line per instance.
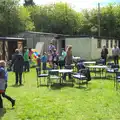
[13, 103]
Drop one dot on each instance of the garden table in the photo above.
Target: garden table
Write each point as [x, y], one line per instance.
[100, 67]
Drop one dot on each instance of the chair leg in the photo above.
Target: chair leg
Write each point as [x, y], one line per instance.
[40, 81]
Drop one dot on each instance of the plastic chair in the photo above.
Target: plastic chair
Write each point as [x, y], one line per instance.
[39, 75]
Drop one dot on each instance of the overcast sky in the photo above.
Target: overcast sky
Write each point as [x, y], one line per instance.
[78, 5]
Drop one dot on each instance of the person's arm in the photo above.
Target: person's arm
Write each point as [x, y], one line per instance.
[13, 60]
[6, 76]
[22, 59]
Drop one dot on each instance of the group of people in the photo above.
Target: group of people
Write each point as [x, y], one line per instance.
[21, 62]
[53, 58]
[115, 54]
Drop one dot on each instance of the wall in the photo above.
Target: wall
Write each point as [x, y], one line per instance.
[96, 52]
[81, 47]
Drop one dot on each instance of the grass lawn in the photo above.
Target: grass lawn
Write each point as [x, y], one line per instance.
[99, 102]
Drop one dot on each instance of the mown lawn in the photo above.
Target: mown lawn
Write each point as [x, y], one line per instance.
[99, 102]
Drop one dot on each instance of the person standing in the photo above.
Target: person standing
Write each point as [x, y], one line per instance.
[104, 54]
[55, 58]
[68, 60]
[44, 61]
[5, 77]
[115, 54]
[26, 60]
[62, 58]
[39, 61]
[51, 47]
[18, 63]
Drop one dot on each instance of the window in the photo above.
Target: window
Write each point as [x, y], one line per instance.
[111, 43]
[107, 43]
[98, 43]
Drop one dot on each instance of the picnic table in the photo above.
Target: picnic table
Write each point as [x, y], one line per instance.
[62, 71]
[89, 62]
[100, 67]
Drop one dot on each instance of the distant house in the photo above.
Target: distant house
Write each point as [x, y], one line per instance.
[89, 48]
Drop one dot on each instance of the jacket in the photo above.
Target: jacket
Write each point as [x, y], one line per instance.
[17, 63]
[3, 79]
[104, 52]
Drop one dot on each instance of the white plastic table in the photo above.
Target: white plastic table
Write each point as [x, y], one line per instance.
[90, 62]
[62, 71]
[101, 67]
[98, 66]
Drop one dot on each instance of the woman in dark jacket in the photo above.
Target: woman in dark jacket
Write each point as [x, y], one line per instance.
[18, 62]
[104, 53]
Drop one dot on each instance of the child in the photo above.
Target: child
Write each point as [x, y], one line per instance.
[5, 77]
[55, 57]
[39, 61]
[44, 61]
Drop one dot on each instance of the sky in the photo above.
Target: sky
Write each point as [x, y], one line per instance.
[78, 5]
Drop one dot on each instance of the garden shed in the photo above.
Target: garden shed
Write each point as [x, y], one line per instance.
[41, 40]
[8, 46]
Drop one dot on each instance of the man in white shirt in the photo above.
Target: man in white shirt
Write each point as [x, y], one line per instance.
[115, 54]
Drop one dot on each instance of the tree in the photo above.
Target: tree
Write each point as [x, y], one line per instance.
[13, 18]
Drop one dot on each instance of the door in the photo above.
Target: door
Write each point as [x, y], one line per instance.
[12, 45]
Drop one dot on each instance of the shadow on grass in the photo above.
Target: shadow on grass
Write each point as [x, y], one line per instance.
[83, 86]
[57, 86]
[16, 85]
[2, 112]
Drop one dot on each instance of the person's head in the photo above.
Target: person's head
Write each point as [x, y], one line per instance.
[2, 63]
[104, 46]
[44, 53]
[38, 55]
[54, 50]
[17, 51]
[51, 43]
[69, 47]
[29, 49]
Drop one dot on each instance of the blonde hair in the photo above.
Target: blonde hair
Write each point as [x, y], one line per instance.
[69, 48]
[2, 63]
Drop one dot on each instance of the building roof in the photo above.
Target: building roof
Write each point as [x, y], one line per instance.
[76, 36]
[10, 38]
[43, 33]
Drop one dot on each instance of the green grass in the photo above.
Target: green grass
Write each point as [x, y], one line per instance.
[99, 102]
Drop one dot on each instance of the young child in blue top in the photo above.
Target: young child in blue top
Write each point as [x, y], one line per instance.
[5, 77]
[44, 61]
